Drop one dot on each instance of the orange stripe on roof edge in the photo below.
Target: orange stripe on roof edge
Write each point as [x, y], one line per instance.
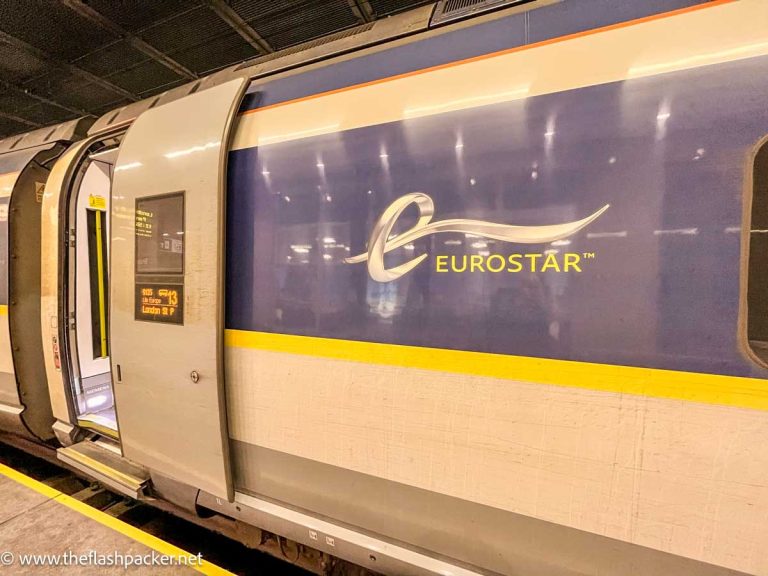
[556, 40]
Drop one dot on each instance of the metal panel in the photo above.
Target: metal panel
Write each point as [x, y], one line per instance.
[106, 465]
[346, 41]
[364, 549]
[127, 114]
[67, 131]
[172, 414]
[450, 10]
[305, 46]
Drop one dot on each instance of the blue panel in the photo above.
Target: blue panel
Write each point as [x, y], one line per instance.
[567, 17]
[662, 290]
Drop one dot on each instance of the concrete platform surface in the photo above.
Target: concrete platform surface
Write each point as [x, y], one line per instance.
[38, 523]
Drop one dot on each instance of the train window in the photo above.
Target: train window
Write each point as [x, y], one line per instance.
[159, 287]
[757, 284]
[99, 281]
[160, 234]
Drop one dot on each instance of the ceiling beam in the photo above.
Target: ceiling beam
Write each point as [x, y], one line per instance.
[64, 65]
[20, 120]
[82, 9]
[362, 10]
[233, 19]
[10, 87]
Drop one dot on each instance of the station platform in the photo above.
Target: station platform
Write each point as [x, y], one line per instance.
[45, 531]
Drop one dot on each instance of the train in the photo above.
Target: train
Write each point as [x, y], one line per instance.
[479, 288]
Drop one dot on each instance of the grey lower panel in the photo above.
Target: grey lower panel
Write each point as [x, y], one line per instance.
[10, 419]
[482, 536]
[9, 391]
[10, 407]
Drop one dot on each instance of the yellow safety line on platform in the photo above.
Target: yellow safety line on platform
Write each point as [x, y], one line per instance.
[678, 385]
[104, 519]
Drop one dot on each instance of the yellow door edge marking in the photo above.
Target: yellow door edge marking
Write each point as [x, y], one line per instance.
[100, 273]
[102, 469]
[148, 540]
[3, 310]
[691, 386]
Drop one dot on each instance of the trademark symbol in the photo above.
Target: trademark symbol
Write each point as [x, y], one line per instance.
[588, 255]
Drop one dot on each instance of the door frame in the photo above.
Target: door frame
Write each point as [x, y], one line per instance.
[58, 291]
[69, 277]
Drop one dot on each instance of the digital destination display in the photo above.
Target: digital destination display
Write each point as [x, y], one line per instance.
[160, 303]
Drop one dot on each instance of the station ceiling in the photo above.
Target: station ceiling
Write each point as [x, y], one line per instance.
[61, 59]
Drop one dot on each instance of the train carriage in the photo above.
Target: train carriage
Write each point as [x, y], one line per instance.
[436, 296]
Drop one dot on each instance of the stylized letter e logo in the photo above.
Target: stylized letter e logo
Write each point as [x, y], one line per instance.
[378, 241]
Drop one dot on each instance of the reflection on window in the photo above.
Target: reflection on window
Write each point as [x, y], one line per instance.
[310, 260]
[160, 234]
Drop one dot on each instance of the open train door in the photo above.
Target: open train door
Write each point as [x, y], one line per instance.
[167, 294]
[25, 164]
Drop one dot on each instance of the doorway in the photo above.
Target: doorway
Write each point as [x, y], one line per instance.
[92, 387]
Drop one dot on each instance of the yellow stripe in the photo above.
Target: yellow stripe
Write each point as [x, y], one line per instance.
[99, 428]
[104, 519]
[100, 268]
[692, 386]
[100, 468]
[3, 310]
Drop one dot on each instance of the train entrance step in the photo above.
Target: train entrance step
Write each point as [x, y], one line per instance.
[103, 462]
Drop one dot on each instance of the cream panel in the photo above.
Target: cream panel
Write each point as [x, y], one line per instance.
[680, 477]
[702, 37]
[6, 359]
[50, 237]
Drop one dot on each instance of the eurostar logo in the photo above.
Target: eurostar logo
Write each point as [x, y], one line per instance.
[380, 241]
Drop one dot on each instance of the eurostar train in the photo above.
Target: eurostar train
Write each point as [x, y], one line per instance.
[432, 296]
